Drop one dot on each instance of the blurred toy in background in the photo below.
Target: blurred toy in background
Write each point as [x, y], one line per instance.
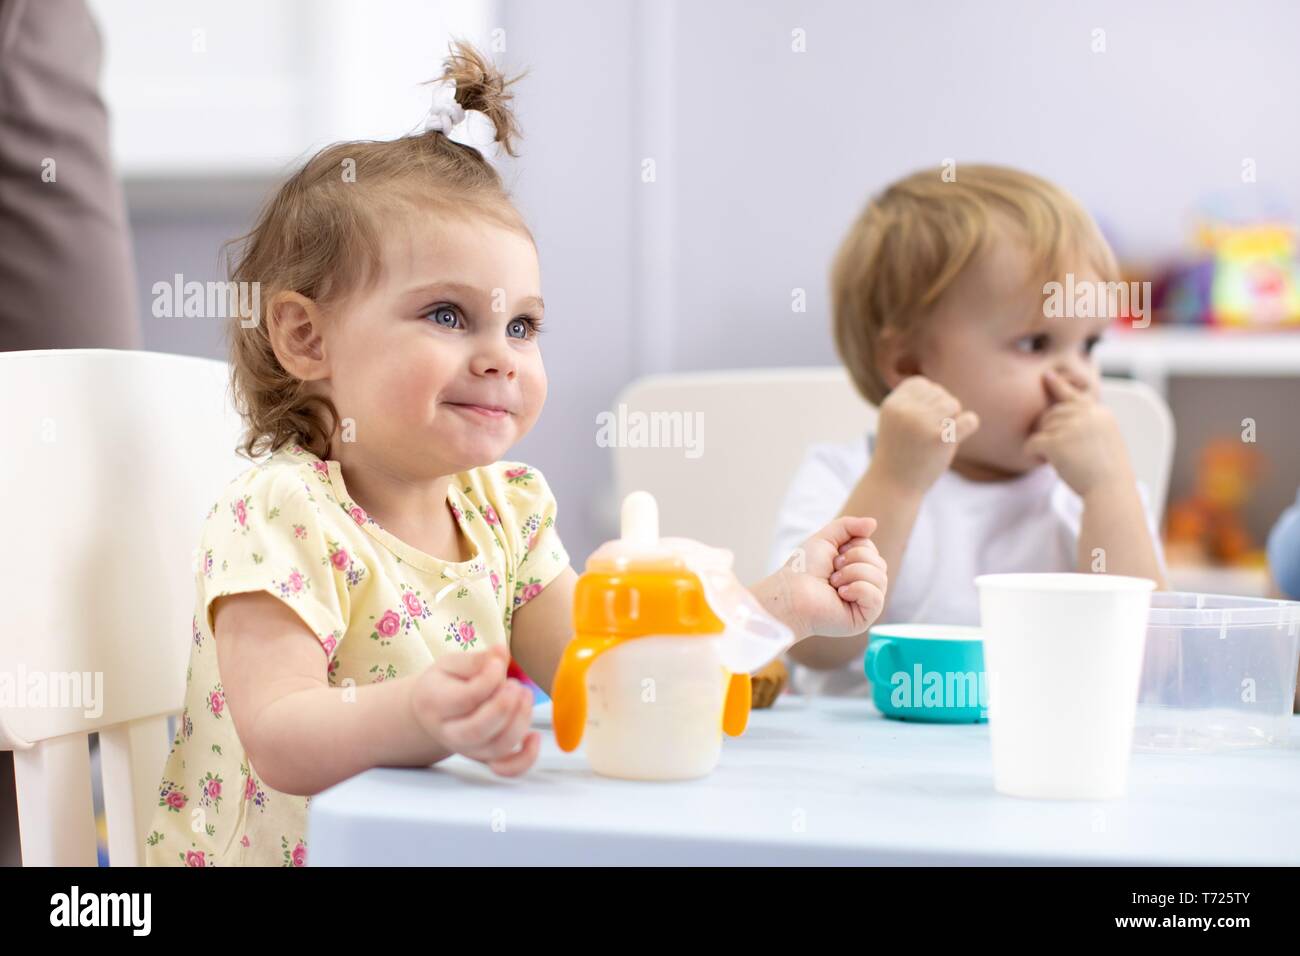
[1206, 527]
[1241, 276]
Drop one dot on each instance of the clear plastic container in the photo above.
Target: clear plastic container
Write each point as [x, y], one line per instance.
[1219, 673]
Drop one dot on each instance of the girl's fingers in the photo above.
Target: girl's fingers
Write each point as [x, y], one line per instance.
[519, 762]
[466, 666]
[488, 720]
[456, 698]
[512, 734]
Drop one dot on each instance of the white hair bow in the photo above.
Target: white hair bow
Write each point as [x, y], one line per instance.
[471, 128]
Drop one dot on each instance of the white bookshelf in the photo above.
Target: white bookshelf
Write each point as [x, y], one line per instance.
[1154, 354]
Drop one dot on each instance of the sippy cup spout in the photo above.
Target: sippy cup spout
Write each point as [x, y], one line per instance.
[640, 519]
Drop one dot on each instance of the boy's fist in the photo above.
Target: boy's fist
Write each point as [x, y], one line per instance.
[1080, 438]
[921, 424]
[466, 703]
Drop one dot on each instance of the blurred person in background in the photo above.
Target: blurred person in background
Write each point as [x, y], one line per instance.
[67, 278]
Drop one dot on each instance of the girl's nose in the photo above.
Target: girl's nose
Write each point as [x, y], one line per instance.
[494, 360]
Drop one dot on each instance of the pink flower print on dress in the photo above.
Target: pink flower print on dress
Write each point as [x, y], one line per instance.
[216, 701]
[387, 626]
[171, 796]
[252, 792]
[243, 841]
[461, 633]
[210, 791]
[300, 531]
[240, 510]
[322, 470]
[414, 606]
[525, 591]
[330, 642]
[293, 585]
[496, 582]
[296, 856]
[341, 560]
[193, 858]
[490, 515]
[358, 514]
[518, 476]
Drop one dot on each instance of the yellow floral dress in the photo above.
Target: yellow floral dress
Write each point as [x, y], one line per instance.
[380, 608]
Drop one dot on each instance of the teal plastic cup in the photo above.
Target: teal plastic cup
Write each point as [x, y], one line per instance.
[928, 672]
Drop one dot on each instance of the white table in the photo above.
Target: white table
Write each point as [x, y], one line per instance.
[822, 782]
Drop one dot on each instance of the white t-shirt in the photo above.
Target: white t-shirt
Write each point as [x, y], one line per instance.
[963, 528]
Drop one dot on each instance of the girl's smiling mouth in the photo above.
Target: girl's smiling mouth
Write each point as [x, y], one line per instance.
[486, 411]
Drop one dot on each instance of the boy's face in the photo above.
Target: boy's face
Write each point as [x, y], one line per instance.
[989, 342]
[438, 362]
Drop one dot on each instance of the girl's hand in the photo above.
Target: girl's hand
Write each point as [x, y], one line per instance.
[1080, 438]
[466, 703]
[833, 585]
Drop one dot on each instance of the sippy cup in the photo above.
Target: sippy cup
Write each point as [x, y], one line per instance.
[665, 639]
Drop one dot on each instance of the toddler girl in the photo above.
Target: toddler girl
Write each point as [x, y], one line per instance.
[360, 591]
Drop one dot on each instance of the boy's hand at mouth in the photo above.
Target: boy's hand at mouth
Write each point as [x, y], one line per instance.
[834, 583]
[921, 424]
[1080, 438]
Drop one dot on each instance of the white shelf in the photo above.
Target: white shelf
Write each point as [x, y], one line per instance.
[1153, 354]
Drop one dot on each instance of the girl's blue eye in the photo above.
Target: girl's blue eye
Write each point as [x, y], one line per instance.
[446, 316]
[522, 327]
[1032, 343]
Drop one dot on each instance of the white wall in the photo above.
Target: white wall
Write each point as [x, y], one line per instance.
[764, 155]
[775, 151]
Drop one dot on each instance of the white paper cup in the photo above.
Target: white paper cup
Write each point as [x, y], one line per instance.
[1063, 653]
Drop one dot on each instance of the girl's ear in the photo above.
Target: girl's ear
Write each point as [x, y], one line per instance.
[293, 324]
[897, 357]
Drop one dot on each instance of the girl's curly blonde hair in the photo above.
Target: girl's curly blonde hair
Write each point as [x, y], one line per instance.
[320, 236]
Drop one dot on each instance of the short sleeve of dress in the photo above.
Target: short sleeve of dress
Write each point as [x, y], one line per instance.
[527, 512]
[266, 533]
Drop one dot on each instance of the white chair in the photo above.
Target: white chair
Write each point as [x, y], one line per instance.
[111, 462]
[757, 425]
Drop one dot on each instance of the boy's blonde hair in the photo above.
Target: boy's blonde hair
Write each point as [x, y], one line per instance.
[915, 238]
[320, 235]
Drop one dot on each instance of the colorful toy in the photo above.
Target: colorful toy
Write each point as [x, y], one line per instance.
[1206, 526]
